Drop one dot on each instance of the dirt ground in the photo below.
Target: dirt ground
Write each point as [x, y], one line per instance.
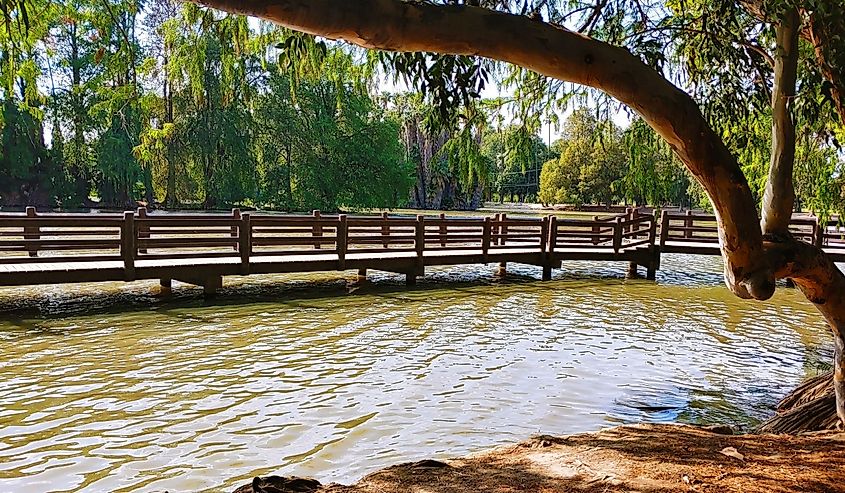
[642, 458]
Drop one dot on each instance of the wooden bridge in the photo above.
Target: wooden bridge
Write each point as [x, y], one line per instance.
[200, 249]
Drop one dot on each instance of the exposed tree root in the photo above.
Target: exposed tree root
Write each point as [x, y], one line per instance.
[810, 407]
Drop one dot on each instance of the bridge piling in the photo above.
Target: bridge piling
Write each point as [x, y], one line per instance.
[410, 279]
[632, 271]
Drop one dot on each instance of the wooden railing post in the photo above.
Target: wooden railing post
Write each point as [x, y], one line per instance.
[245, 242]
[688, 224]
[652, 229]
[552, 235]
[342, 241]
[128, 245]
[503, 229]
[486, 234]
[442, 230]
[236, 216]
[635, 227]
[617, 235]
[629, 214]
[818, 232]
[317, 229]
[547, 244]
[664, 227]
[419, 239]
[32, 232]
[385, 230]
[596, 230]
[544, 233]
[143, 230]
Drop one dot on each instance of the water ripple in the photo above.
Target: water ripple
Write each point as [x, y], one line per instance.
[108, 388]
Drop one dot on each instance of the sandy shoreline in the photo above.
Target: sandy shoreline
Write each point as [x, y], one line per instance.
[639, 458]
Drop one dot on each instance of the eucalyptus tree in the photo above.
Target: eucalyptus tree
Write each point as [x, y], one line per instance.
[756, 250]
[447, 149]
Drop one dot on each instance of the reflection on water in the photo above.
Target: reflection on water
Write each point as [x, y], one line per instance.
[106, 388]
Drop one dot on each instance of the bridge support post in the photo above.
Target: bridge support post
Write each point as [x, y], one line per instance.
[651, 273]
[165, 287]
[362, 275]
[410, 279]
[211, 285]
[502, 270]
[632, 271]
[547, 272]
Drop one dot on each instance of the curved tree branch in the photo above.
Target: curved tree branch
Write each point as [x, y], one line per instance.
[396, 25]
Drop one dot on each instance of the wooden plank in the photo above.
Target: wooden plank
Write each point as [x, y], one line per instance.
[179, 221]
[186, 242]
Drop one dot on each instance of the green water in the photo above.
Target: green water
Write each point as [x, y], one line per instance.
[107, 388]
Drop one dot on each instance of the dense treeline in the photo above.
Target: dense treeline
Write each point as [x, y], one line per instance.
[186, 106]
[111, 104]
[116, 102]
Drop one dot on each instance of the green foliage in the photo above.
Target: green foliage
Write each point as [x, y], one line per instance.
[591, 164]
[202, 109]
[655, 176]
[518, 156]
[325, 155]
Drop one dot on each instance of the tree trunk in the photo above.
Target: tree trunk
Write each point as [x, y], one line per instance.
[818, 278]
[779, 197]
[815, 274]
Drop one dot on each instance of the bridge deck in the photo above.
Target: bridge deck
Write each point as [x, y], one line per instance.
[201, 249]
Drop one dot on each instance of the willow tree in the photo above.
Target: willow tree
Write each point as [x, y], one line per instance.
[757, 250]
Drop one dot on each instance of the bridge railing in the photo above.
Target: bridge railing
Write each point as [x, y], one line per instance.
[381, 234]
[831, 237]
[637, 230]
[59, 237]
[441, 233]
[522, 233]
[688, 228]
[184, 236]
[291, 235]
[613, 234]
[135, 237]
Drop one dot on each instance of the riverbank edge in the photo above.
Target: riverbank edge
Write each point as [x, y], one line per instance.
[652, 458]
